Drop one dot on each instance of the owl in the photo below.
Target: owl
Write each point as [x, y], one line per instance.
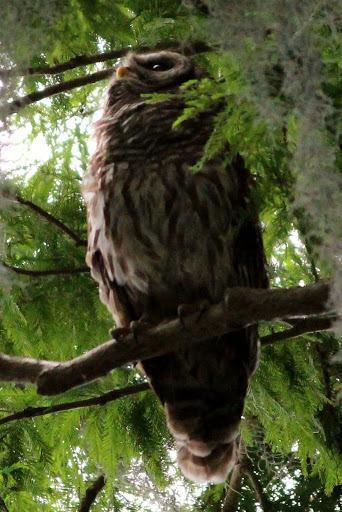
[161, 235]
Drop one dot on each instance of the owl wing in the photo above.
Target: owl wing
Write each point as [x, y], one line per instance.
[203, 389]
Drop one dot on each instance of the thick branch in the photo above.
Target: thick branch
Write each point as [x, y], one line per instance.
[302, 326]
[43, 273]
[19, 103]
[91, 493]
[243, 306]
[50, 218]
[111, 396]
[23, 369]
[84, 60]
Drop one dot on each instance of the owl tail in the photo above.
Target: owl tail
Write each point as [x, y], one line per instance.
[204, 411]
[205, 454]
[213, 468]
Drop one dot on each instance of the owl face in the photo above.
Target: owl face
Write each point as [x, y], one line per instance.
[154, 71]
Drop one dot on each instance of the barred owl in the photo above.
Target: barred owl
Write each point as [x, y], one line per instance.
[161, 235]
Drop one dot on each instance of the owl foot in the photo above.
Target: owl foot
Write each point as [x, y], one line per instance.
[137, 327]
[145, 322]
[189, 314]
[119, 332]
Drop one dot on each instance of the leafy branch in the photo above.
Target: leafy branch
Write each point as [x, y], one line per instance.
[91, 493]
[110, 396]
[241, 307]
[53, 220]
[23, 101]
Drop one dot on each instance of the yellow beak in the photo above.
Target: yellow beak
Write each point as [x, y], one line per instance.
[121, 71]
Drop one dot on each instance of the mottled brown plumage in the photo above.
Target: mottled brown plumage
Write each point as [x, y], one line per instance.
[161, 235]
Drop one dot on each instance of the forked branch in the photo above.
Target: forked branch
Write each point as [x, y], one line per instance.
[242, 307]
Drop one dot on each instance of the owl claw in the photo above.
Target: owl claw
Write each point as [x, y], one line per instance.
[190, 313]
[119, 332]
[138, 326]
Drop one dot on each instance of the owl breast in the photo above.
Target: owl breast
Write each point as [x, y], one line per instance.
[164, 232]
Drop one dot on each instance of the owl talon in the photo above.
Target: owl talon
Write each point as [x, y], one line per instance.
[119, 332]
[137, 327]
[187, 312]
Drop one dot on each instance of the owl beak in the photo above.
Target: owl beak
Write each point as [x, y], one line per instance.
[121, 71]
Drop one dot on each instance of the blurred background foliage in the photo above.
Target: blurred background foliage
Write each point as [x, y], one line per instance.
[274, 67]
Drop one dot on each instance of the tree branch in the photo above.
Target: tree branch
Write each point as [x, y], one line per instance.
[242, 307]
[232, 496]
[110, 396]
[3, 506]
[91, 493]
[23, 101]
[265, 504]
[302, 326]
[84, 60]
[20, 102]
[43, 273]
[50, 218]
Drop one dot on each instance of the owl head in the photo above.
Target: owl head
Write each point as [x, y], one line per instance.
[144, 72]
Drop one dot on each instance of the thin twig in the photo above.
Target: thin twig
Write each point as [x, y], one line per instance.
[44, 273]
[50, 218]
[110, 396]
[242, 307]
[91, 493]
[302, 326]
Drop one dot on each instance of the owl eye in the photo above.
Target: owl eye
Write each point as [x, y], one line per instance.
[158, 66]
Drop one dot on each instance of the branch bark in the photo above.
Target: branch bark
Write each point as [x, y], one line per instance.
[302, 326]
[242, 307]
[110, 396]
[91, 493]
[50, 218]
[43, 273]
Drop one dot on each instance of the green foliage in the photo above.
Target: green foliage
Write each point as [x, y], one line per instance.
[259, 83]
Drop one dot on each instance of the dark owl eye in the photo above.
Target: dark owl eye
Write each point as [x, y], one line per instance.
[158, 66]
